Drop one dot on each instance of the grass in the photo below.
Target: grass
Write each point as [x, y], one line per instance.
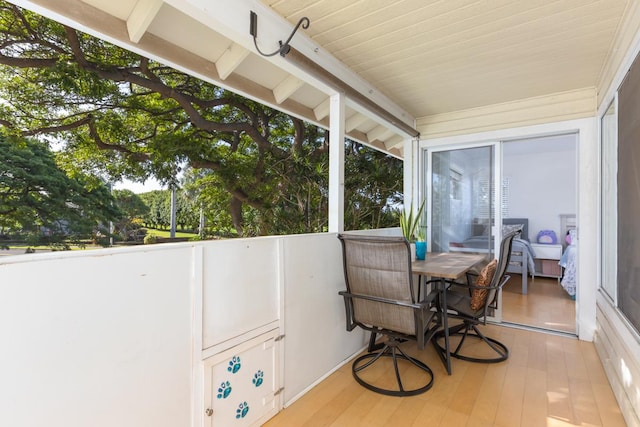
[74, 247]
[40, 248]
[167, 234]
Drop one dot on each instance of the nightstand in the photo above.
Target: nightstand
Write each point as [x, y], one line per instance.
[546, 260]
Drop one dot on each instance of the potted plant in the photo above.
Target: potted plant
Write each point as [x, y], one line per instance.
[421, 241]
[409, 224]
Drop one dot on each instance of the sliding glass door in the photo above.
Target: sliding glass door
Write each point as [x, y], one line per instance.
[462, 199]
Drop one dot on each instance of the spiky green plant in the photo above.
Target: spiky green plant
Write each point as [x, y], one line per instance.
[409, 223]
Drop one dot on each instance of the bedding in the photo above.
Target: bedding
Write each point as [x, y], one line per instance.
[522, 254]
[568, 262]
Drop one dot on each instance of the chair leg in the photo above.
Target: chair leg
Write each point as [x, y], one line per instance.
[392, 350]
[470, 330]
[372, 343]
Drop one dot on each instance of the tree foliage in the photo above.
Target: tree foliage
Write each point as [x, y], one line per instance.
[132, 208]
[158, 214]
[119, 114]
[37, 196]
[373, 191]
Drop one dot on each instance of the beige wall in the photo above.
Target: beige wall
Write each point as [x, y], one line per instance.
[556, 107]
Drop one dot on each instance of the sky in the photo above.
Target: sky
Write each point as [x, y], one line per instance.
[137, 187]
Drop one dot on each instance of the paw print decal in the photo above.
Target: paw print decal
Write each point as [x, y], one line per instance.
[242, 410]
[234, 365]
[224, 390]
[258, 378]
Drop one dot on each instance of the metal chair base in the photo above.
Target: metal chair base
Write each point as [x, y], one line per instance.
[470, 330]
[391, 350]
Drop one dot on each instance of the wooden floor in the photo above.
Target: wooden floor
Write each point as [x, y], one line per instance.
[546, 304]
[548, 380]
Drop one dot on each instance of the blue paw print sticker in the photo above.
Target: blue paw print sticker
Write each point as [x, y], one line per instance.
[242, 410]
[258, 378]
[224, 390]
[234, 365]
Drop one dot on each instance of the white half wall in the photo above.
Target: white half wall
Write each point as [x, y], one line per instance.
[119, 337]
[240, 287]
[101, 338]
[316, 340]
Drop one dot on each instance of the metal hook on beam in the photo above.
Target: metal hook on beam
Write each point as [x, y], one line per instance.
[284, 47]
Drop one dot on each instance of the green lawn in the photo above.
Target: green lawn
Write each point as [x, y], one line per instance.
[21, 247]
[167, 234]
[46, 248]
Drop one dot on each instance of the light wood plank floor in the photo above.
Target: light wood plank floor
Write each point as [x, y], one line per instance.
[548, 380]
[546, 304]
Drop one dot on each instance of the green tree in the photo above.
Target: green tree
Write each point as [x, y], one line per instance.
[187, 212]
[123, 115]
[158, 202]
[373, 188]
[37, 196]
[133, 210]
[144, 117]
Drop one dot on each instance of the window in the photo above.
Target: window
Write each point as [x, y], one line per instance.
[609, 203]
[456, 184]
[628, 197]
[482, 206]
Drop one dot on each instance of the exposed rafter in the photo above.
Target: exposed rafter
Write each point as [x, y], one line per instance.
[354, 121]
[286, 88]
[379, 133]
[230, 60]
[141, 17]
[322, 110]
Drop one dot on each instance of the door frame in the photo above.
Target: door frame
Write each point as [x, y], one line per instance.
[587, 212]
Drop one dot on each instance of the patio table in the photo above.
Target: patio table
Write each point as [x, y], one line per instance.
[441, 267]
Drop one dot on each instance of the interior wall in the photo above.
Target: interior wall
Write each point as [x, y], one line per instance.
[542, 180]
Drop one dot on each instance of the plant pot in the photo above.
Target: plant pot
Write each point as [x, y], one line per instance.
[413, 251]
[421, 250]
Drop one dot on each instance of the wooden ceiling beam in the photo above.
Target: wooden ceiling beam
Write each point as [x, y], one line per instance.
[141, 18]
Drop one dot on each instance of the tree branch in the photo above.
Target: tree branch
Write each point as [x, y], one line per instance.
[93, 132]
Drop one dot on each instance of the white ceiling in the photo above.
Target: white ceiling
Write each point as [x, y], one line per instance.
[414, 58]
[435, 56]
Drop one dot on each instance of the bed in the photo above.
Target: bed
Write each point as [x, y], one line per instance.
[522, 254]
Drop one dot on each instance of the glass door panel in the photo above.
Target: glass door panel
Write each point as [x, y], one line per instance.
[462, 200]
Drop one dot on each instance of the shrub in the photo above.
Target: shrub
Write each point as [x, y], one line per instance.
[150, 239]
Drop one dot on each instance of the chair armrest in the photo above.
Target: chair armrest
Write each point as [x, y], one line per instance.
[423, 306]
[471, 277]
[382, 300]
[450, 283]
